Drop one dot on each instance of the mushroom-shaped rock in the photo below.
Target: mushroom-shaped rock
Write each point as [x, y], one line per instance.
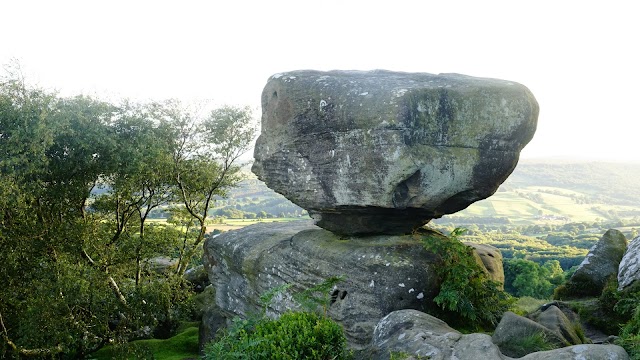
[385, 152]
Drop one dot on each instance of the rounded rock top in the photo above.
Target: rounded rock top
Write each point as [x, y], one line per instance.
[385, 152]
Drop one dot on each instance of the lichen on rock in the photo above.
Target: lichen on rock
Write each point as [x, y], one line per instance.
[385, 152]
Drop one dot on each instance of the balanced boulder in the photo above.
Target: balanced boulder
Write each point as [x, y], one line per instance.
[385, 152]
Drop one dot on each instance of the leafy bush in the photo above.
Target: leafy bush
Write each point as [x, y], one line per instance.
[467, 296]
[295, 335]
[527, 345]
[527, 278]
[183, 345]
[630, 336]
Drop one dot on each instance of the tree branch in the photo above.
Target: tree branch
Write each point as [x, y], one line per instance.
[28, 352]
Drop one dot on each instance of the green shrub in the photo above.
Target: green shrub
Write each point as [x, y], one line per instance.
[630, 335]
[295, 335]
[467, 297]
[183, 345]
[527, 345]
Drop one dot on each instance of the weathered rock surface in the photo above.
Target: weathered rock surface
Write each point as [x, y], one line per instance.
[382, 273]
[581, 352]
[416, 333]
[211, 318]
[559, 318]
[490, 258]
[513, 328]
[600, 264]
[198, 278]
[420, 334]
[629, 269]
[385, 152]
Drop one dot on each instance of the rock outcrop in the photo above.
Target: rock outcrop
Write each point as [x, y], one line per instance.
[419, 334]
[490, 258]
[556, 320]
[385, 152]
[551, 325]
[600, 264]
[629, 269]
[382, 273]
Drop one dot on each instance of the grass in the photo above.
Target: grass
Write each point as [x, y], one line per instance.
[527, 345]
[527, 304]
[522, 210]
[182, 346]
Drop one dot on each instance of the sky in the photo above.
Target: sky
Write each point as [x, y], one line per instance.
[579, 58]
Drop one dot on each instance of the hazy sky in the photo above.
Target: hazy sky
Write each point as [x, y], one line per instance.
[579, 58]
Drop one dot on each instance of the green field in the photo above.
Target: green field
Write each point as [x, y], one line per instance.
[534, 205]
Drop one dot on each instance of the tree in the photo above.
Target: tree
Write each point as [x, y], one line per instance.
[205, 160]
[528, 278]
[79, 180]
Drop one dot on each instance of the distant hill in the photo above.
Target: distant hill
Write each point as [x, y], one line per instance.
[553, 191]
[537, 192]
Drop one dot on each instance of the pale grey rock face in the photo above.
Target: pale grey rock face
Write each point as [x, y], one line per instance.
[420, 334]
[490, 259]
[557, 321]
[382, 273]
[581, 352]
[629, 269]
[385, 152]
[599, 265]
[513, 328]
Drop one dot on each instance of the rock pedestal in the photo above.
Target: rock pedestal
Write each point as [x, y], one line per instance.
[385, 152]
[382, 273]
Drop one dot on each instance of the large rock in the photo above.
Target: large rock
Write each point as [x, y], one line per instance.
[629, 269]
[419, 334]
[555, 320]
[600, 264]
[385, 152]
[424, 336]
[382, 273]
[564, 322]
[513, 330]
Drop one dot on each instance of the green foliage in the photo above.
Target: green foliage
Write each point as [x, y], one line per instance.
[528, 278]
[630, 335]
[527, 345]
[267, 297]
[317, 296]
[467, 296]
[295, 335]
[79, 180]
[181, 346]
